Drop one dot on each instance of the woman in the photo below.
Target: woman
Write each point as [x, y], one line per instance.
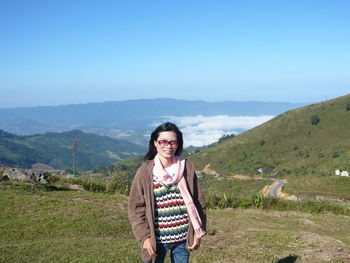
[166, 205]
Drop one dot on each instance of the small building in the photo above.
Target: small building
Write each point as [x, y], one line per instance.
[199, 174]
[339, 172]
[72, 176]
[344, 173]
[263, 170]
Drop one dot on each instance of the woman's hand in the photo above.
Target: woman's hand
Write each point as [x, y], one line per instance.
[147, 244]
[196, 243]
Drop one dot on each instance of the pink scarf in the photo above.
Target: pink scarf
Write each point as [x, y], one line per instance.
[177, 169]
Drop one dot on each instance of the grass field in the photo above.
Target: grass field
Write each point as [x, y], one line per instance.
[230, 185]
[331, 187]
[77, 226]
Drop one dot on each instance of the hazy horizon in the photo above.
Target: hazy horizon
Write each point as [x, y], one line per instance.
[111, 101]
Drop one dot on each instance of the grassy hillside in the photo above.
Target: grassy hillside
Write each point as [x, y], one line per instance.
[55, 149]
[75, 226]
[292, 143]
[319, 187]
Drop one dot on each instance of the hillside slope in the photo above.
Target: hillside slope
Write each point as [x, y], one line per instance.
[55, 149]
[289, 143]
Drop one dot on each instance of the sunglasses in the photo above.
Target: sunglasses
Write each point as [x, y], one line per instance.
[165, 143]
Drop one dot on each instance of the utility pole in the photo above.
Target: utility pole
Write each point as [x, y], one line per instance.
[74, 148]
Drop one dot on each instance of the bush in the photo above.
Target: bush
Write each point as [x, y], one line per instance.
[315, 119]
[348, 107]
[335, 155]
[93, 186]
[52, 178]
[1, 174]
[270, 203]
[258, 200]
[226, 137]
[212, 201]
[119, 184]
[88, 185]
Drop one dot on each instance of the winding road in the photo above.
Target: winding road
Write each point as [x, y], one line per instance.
[276, 187]
[274, 190]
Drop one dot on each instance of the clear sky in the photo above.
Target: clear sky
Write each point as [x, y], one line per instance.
[80, 51]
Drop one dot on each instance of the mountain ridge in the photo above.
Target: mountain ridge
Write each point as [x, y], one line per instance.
[55, 149]
[135, 115]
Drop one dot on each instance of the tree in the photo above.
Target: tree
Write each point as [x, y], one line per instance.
[348, 107]
[74, 149]
[315, 119]
[226, 137]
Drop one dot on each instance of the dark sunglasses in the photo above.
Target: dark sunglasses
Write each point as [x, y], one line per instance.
[165, 143]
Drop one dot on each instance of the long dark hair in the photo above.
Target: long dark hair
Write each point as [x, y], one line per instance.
[168, 126]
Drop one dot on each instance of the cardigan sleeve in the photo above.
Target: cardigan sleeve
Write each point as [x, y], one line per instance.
[201, 202]
[137, 209]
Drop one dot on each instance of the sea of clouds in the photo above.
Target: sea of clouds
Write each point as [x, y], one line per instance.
[203, 130]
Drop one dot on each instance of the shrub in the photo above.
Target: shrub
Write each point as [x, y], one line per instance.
[93, 186]
[52, 178]
[50, 187]
[119, 184]
[315, 119]
[223, 203]
[1, 174]
[226, 137]
[88, 185]
[245, 203]
[212, 201]
[270, 203]
[348, 107]
[258, 200]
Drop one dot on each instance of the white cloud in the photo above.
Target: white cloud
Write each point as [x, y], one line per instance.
[202, 130]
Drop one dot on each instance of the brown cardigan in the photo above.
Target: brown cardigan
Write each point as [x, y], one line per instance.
[141, 204]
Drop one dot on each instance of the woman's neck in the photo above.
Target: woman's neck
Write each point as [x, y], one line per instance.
[166, 162]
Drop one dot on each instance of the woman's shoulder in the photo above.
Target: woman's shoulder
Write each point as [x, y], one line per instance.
[189, 163]
[190, 167]
[146, 166]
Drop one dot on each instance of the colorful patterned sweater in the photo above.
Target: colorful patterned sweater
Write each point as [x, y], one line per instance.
[171, 218]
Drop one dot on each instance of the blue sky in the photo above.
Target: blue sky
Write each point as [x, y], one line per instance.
[75, 51]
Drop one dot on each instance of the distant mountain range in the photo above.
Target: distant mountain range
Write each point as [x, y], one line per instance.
[314, 139]
[55, 149]
[129, 120]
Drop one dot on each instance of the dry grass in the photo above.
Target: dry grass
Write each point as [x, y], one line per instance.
[258, 236]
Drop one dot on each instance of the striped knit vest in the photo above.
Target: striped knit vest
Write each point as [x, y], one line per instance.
[171, 218]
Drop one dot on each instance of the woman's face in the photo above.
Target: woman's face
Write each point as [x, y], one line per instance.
[166, 144]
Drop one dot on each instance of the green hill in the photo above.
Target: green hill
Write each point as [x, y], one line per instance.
[310, 140]
[55, 149]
